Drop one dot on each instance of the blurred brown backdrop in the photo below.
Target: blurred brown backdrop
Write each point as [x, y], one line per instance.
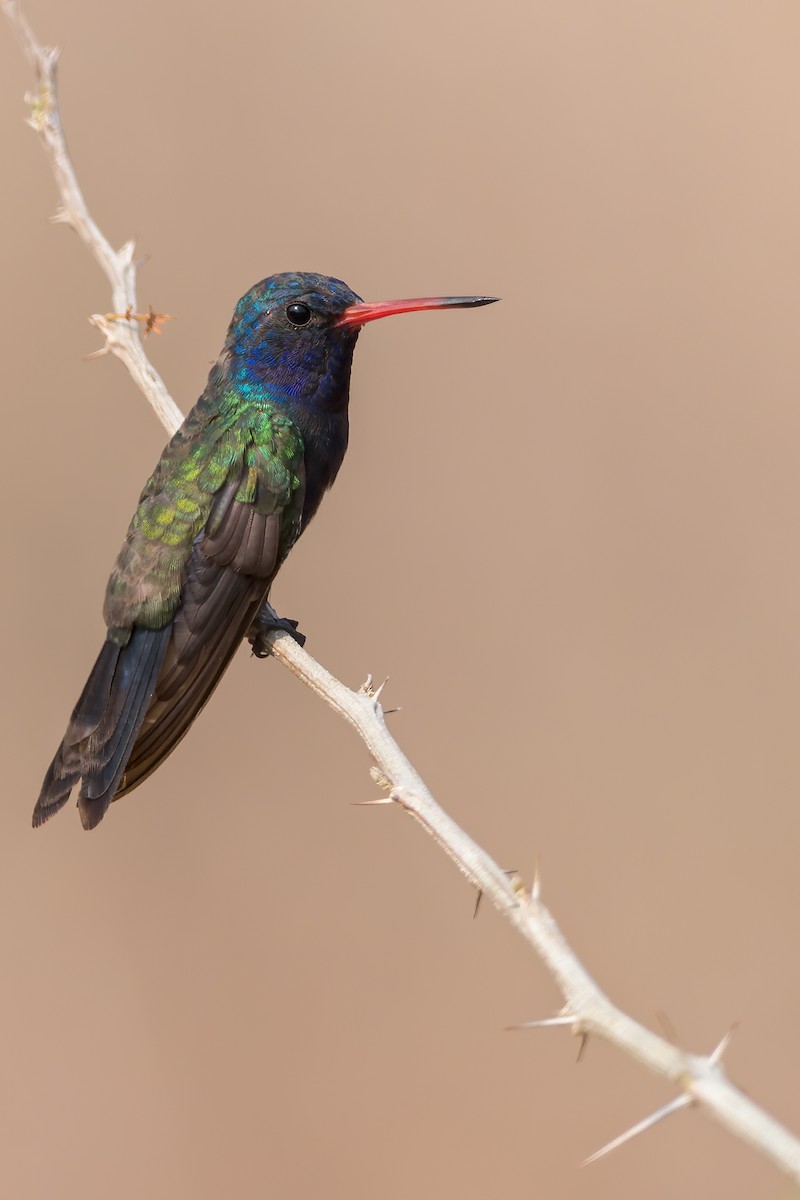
[568, 528]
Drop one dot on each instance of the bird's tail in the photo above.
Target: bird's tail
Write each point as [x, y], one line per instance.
[103, 726]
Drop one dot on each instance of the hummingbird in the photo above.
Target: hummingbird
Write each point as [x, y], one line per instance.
[234, 489]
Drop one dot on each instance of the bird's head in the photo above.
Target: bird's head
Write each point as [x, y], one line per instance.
[293, 334]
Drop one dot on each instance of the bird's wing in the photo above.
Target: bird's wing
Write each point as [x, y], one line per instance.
[254, 521]
[213, 524]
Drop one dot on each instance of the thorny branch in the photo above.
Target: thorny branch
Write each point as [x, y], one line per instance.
[700, 1079]
[119, 266]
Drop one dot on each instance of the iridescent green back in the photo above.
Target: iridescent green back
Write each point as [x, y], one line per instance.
[256, 448]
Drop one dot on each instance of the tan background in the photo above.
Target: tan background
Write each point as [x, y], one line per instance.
[568, 528]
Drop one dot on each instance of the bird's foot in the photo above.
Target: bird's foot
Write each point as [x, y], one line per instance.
[266, 622]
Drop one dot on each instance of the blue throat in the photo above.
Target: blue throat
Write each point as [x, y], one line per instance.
[316, 379]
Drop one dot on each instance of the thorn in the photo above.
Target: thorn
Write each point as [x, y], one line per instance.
[61, 216]
[376, 695]
[125, 253]
[510, 872]
[387, 712]
[370, 803]
[366, 686]
[682, 1101]
[547, 1023]
[101, 353]
[584, 1043]
[715, 1057]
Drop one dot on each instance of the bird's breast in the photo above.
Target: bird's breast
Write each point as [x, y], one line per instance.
[325, 442]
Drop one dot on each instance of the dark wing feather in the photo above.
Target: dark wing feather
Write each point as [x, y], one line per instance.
[200, 649]
[227, 579]
[246, 540]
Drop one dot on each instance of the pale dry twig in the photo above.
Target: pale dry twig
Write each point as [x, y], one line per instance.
[119, 328]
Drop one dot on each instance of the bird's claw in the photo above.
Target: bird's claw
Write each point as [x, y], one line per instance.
[266, 622]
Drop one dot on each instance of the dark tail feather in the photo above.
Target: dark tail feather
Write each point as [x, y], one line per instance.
[139, 666]
[103, 727]
[65, 769]
[217, 608]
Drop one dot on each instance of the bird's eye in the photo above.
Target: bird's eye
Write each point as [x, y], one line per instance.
[298, 314]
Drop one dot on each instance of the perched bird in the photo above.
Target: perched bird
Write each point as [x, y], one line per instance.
[234, 489]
